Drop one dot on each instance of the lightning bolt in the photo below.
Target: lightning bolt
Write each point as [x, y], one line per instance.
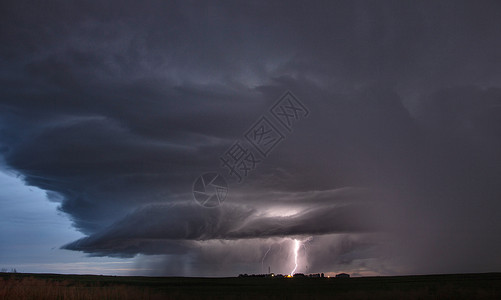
[305, 254]
[296, 249]
[262, 261]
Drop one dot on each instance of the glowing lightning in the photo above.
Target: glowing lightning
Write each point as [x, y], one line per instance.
[296, 249]
[262, 261]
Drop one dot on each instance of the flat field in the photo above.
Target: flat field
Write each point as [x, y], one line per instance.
[55, 286]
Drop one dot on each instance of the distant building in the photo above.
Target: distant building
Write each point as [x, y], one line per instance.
[296, 275]
[343, 275]
[258, 275]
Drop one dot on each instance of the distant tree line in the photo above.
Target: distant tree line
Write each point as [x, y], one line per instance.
[6, 270]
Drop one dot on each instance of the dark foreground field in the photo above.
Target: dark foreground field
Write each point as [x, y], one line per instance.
[52, 286]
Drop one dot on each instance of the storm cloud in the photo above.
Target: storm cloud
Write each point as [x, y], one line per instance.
[115, 109]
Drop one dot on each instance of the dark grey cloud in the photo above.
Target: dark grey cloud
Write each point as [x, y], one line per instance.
[115, 109]
[283, 215]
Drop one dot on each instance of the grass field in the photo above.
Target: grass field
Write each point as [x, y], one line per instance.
[54, 286]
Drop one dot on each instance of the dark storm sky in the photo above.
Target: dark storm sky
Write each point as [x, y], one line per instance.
[115, 109]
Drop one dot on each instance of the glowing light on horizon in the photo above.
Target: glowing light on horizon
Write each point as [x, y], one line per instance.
[296, 250]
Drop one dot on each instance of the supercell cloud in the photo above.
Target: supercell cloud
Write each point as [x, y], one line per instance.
[115, 109]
